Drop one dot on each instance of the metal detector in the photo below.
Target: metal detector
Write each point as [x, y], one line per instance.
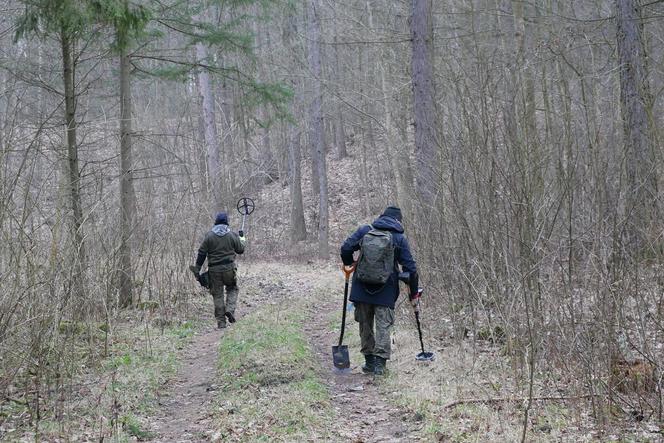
[422, 356]
[245, 206]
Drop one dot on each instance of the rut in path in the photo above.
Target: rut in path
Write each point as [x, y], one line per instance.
[362, 413]
[186, 414]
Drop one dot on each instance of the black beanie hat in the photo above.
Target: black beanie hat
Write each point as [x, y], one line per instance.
[392, 211]
[221, 219]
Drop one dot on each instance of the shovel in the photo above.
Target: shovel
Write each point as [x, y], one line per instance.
[340, 353]
[422, 356]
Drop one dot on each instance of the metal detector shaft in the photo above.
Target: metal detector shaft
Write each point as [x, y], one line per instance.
[245, 206]
[419, 328]
[422, 356]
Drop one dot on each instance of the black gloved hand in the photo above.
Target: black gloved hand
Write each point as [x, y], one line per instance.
[241, 232]
[414, 283]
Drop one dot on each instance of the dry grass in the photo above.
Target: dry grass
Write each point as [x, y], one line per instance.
[479, 370]
[110, 394]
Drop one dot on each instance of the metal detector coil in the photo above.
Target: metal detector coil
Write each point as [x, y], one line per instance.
[245, 206]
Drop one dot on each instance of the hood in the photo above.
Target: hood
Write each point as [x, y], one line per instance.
[221, 230]
[388, 224]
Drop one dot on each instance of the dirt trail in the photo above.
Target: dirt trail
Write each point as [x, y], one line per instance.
[186, 413]
[363, 415]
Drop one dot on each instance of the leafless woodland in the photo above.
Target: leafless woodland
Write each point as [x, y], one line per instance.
[521, 138]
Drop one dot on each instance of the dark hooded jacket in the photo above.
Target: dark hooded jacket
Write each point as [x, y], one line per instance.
[220, 246]
[387, 294]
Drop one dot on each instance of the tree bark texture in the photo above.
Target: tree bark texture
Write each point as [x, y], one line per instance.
[298, 227]
[215, 174]
[340, 133]
[72, 155]
[426, 149]
[127, 194]
[317, 137]
[634, 93]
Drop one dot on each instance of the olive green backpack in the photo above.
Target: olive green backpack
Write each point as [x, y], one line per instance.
[376, 262]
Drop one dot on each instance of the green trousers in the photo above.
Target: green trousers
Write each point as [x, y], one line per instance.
[375, 343]
[218, 281]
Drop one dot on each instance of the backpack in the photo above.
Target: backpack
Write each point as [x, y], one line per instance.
[376, 262]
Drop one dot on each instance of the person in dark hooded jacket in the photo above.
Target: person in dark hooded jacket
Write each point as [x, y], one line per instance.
[220, 247]
[375, 303]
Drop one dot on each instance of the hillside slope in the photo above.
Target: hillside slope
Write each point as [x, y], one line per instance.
[349, 206]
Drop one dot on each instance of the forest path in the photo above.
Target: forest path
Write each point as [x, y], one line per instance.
[188, 403]
[186, 409]
[192, 407]
[362, 413]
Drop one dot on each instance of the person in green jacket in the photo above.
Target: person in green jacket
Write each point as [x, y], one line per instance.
[220, 246]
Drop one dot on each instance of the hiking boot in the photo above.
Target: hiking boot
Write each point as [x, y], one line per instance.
[368, 367]
[221, 324]
[230, 317]
[379, 366]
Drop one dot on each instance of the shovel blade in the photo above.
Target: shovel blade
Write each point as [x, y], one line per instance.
[425, 356]
[340, 357]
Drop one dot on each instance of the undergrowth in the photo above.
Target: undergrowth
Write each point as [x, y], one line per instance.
[110, 396]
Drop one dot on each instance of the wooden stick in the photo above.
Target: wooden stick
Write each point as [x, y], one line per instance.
[510, 400]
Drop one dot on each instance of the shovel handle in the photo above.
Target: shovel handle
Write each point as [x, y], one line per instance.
[348, 270]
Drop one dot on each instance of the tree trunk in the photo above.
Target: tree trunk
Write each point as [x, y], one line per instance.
[127, 195]
[315, 180]
[317, 137]
[270, 165]
[298, 227]
[401, 193]
[72, 155]
[215, 175]
[634, 98]
[340, 133]
[227, 149]
[426, 149]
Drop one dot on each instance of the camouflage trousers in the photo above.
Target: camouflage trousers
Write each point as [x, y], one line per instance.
[218, 281]
[377, 343]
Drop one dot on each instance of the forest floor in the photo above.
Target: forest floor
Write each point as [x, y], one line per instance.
[280, 384]
[269, 377]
